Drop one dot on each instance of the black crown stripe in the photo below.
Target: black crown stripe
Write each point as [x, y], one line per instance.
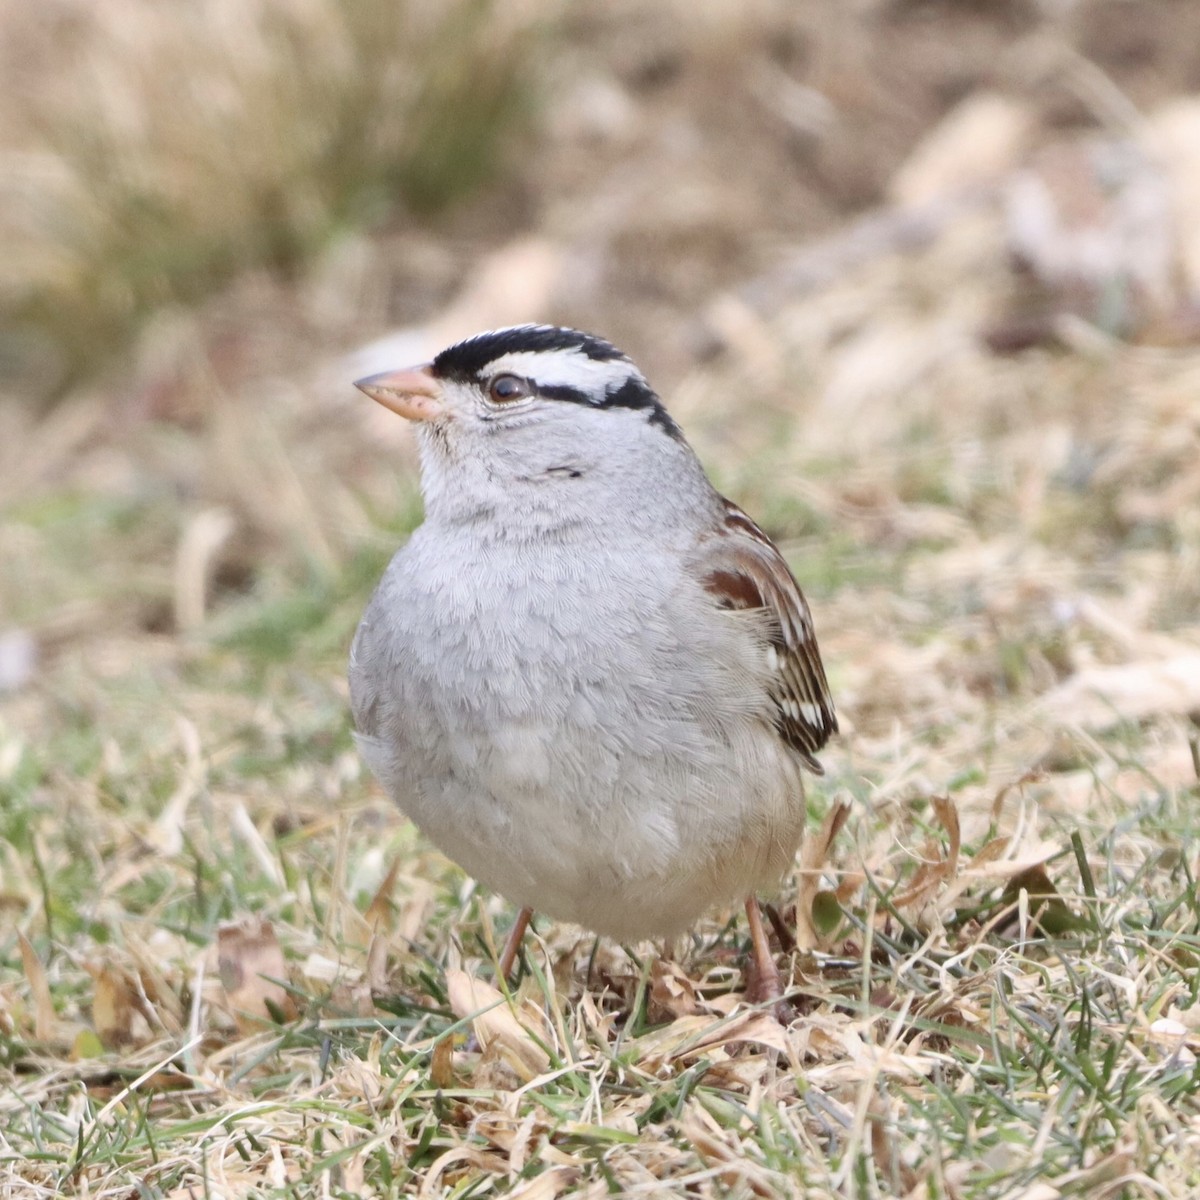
[465, 360]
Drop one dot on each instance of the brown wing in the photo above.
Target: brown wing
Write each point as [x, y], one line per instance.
[744, 570]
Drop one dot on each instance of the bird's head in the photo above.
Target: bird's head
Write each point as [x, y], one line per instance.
[531, 406]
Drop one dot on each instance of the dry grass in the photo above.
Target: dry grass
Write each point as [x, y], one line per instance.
[194, 145]
[228, 968]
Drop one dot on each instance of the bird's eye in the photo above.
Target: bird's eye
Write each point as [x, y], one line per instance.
[504, 389]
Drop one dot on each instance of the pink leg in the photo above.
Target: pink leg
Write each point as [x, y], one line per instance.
[765, 984]
[512, 944]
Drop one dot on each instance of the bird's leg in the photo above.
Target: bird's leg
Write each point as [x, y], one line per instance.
[787, 942]
[765, 983]
[512, 944]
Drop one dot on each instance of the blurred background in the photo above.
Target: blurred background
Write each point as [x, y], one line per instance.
[919, 278]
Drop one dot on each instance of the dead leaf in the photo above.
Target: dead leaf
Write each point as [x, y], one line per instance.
[508, 1132]
[947, 813]
[115, 1006]
[813, 858]
[848, 887]
[250, 963]
[378, 915]
[758, 1027]
[344, 986]
[980, 867]
[470, 1156]
[1046, 905]
[989, 852]
[672, 993]
[933, 872]
[1031, 776]
[44, 1016]
[154, 987]
[357, 1079]
[496, 1025]
[441, 1063]
[377, 957]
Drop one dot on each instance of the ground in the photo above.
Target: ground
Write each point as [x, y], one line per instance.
[918, 282]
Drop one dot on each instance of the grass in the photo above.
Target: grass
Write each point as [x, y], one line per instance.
[986, 1060]
[946, 1042]
[229, 968]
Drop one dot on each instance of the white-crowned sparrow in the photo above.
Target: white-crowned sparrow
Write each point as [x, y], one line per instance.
[589, 679]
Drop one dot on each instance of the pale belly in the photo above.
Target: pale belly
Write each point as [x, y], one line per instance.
[593, 778]
[642, 856]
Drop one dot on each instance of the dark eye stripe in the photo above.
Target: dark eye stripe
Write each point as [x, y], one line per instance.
[634, 393]
[562, 391]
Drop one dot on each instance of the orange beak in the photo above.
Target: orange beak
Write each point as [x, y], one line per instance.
[412, 393]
